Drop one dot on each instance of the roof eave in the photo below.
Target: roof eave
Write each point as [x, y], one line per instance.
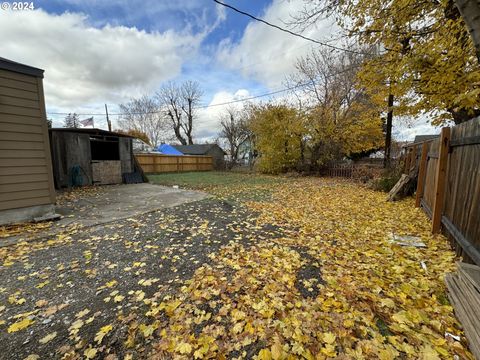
[9, 65]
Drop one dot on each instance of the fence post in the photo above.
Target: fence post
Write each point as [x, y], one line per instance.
[440, 178]
[413, 161]
[406, 165]
[422, 173]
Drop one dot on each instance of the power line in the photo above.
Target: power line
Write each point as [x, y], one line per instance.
[256, 96]
[288, 31]
[311, 82]
[198, 107]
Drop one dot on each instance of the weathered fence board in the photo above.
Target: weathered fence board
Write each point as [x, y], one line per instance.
[457, 195]
[158, 163]
[430, 176]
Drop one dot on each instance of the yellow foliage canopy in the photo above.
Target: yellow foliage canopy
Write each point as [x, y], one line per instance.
[278, 133]
[427, 59]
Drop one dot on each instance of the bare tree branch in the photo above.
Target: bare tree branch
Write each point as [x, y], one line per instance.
[179, 103]
[143, 114]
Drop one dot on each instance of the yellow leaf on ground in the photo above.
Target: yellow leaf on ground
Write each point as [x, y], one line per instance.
[111, 283]
[264, 354]
[41, 303]
[101, 334]
[48, 338]
[277, 351]
[428, 353]
[90, 353]
[184, 348]
[387, 303]
[82, 313]
[147, 330]
[20, 325]
[32, 357]
[329, 338]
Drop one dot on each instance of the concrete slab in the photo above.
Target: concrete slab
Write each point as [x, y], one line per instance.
[117, 202]
[112, 203]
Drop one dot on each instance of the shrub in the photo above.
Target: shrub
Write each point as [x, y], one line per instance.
[388, 179]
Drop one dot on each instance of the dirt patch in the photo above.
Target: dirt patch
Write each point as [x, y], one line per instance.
[102, 276]
[308, 279]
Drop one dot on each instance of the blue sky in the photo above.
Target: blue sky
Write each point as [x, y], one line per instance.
[179, 16]
[96, 52]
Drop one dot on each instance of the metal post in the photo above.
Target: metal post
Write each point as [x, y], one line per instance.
[108, 119]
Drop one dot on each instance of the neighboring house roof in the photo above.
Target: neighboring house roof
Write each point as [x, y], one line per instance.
[423, 138]
[10, 65]
[196, 149]
[168, 150]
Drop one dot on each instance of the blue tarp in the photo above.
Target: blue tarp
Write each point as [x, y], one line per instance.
[168, 150]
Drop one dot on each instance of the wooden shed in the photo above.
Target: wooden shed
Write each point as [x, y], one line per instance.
[88, 156]
[26, 179]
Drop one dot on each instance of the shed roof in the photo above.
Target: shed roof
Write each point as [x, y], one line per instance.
[90, 131]
[196, 149]
[6, 64]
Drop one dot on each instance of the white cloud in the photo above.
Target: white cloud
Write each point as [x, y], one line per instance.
[84, 65]
[207, 126]
[403, 131]
[268, 54]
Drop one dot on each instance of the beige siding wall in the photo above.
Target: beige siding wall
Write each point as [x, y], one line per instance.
[25, 164]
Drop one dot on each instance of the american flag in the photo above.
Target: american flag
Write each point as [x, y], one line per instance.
[87, 122]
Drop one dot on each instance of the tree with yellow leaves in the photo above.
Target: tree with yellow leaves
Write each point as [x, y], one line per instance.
[425, 56]
[278, 132]
[340, 117]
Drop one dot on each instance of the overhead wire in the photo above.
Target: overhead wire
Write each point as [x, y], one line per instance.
[252, 97]
[198, 107]
[311, 82]
[289, 31]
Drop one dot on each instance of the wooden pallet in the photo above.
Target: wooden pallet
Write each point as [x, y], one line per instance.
[464, 294]
[393, 194]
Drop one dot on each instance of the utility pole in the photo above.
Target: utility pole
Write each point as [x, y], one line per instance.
[388, 134]
[108, 119]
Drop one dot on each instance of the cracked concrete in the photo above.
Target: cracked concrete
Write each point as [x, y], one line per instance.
[112, 203]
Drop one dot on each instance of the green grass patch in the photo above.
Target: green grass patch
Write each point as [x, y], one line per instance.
[202, 179]
[228, 185]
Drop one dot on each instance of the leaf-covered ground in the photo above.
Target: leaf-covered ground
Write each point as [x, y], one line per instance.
[274, 268]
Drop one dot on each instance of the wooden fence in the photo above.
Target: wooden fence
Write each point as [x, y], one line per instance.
[157, 163]
[448, 186]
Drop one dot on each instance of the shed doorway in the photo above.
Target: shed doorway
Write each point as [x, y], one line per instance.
[106, 164]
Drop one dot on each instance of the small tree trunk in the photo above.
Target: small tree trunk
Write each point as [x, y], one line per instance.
[388, 134]
[470, 11]
[190, 122]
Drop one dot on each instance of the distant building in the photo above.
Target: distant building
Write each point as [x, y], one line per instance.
[422, 138]
[213, 150]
